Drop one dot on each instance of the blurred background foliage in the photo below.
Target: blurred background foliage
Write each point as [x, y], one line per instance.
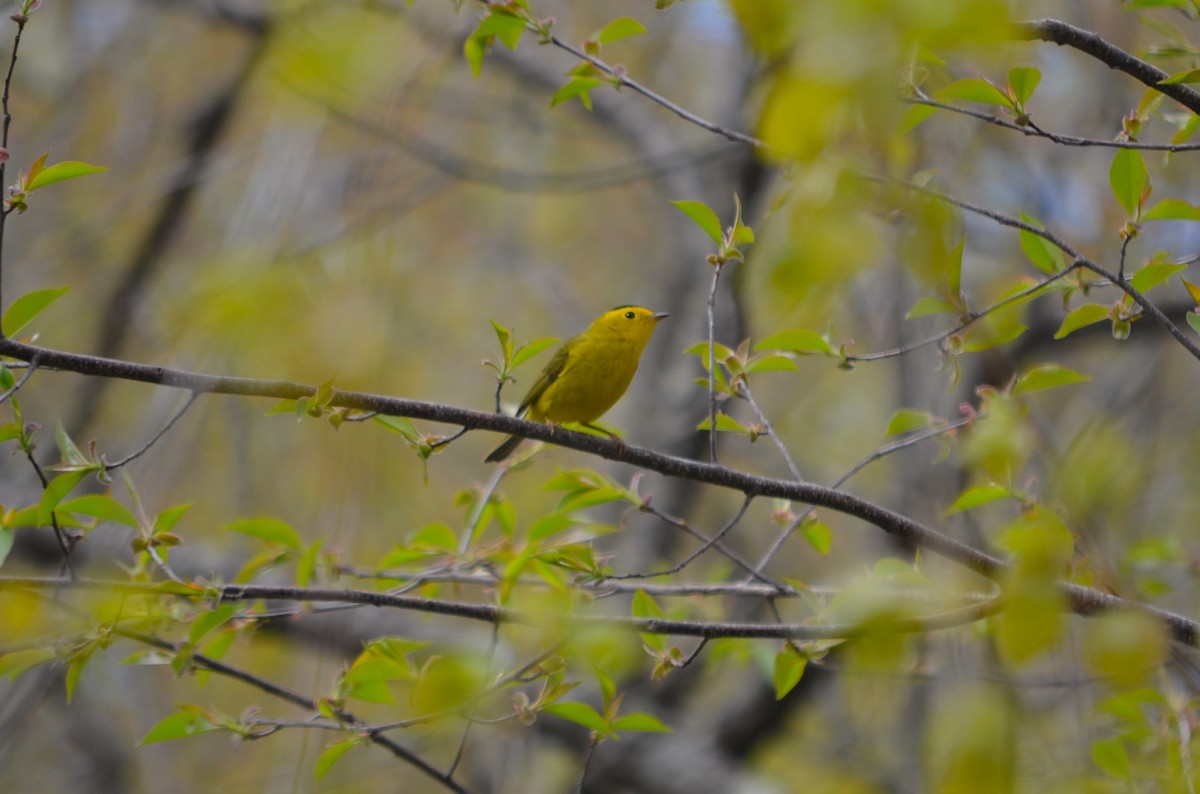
[314, 191]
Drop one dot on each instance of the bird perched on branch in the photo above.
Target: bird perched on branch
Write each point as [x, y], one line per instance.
[589, 373]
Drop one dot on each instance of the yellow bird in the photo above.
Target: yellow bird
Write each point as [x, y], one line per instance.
[589, 373]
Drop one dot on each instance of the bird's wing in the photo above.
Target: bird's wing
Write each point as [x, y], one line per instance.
[548, 376]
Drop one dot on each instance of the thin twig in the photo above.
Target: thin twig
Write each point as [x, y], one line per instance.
[733, 522]
[745, 393]
[4, 153]
[1031, 130]
[712, 364]
[882, 452]
[1063, 34]
[1078, 260]
[731, 555]
[970, 320]
[64, 543]
[16, 386]
[170, 423]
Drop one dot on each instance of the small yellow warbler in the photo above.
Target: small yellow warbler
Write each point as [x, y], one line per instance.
[589, 373]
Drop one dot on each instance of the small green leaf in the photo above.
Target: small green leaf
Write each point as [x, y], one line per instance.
[1110, 755]
[1081, 316]
[332, 754]
[906, 420]
[1045, 256]
[28, 306]
[1047, 376]
[703, 216]
[912, 117]
[576, 87]
[60, 172]
[437, 535]
[272, 530]
[725, 424]
[398, 424]
[640, 722]
[930, 305]
[619, 28]
[1023, 80]
[1154, 274]
[531, 349]
[17, 662]
[166, 520]
[975, 89]
[977, 495]
[1190, 76]
[100, 506]
[789, 668]
[818, 534]
[188, 721]
[1193, 320]
[1128, 179]
[578, 713]
[798, 340]
[306, 566]
[1172, 209]
[54, 493]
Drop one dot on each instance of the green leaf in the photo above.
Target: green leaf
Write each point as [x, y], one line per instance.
[1190, 76]
[272, 530]
[166, 520]
[906, 420]
[531, 349]
[100, 506]
[1193, 320]
[576, 87]
[640, 722]
[789, 668]
[703, 216]
[1023, 80]
[398, 424]
[930, 305]
[1044, 255]
[60, 172]
[798, 340]
[771, 364]
[725, 424]
[975, 89]
[619, 28]
[17, 662]
[1155, 273]
[54, 493]
[437, 535]
[188, 721]
[578, 713]
[7, 536]
[28, 306]
[644, 606]
[209, 621]
[1110, 755]
[818, 534]
[306, 566]
[1047, 376]
[332, 754]
[1128, 179]
[1081, 316]
[1172, 209]
[912, 117]
[977, 495]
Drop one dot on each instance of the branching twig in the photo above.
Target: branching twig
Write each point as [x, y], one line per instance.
[970, 320]
[1031, 130]
[712, 363]
[1114, 57]
[145, 448]
[16, 386]
[12, 65]
[733, 522]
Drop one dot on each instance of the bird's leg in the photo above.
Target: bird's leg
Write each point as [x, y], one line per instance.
[620, 441]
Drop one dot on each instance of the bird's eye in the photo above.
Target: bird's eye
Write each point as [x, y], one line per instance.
[629, 315]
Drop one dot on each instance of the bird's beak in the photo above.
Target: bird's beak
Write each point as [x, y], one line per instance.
[660, 317]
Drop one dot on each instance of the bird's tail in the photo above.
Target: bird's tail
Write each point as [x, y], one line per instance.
[504, 450]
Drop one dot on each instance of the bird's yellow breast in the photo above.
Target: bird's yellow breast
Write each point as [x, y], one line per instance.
[596, 374]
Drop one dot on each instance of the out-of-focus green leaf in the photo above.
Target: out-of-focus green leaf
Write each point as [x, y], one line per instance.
[272, 530]
[789, 668]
